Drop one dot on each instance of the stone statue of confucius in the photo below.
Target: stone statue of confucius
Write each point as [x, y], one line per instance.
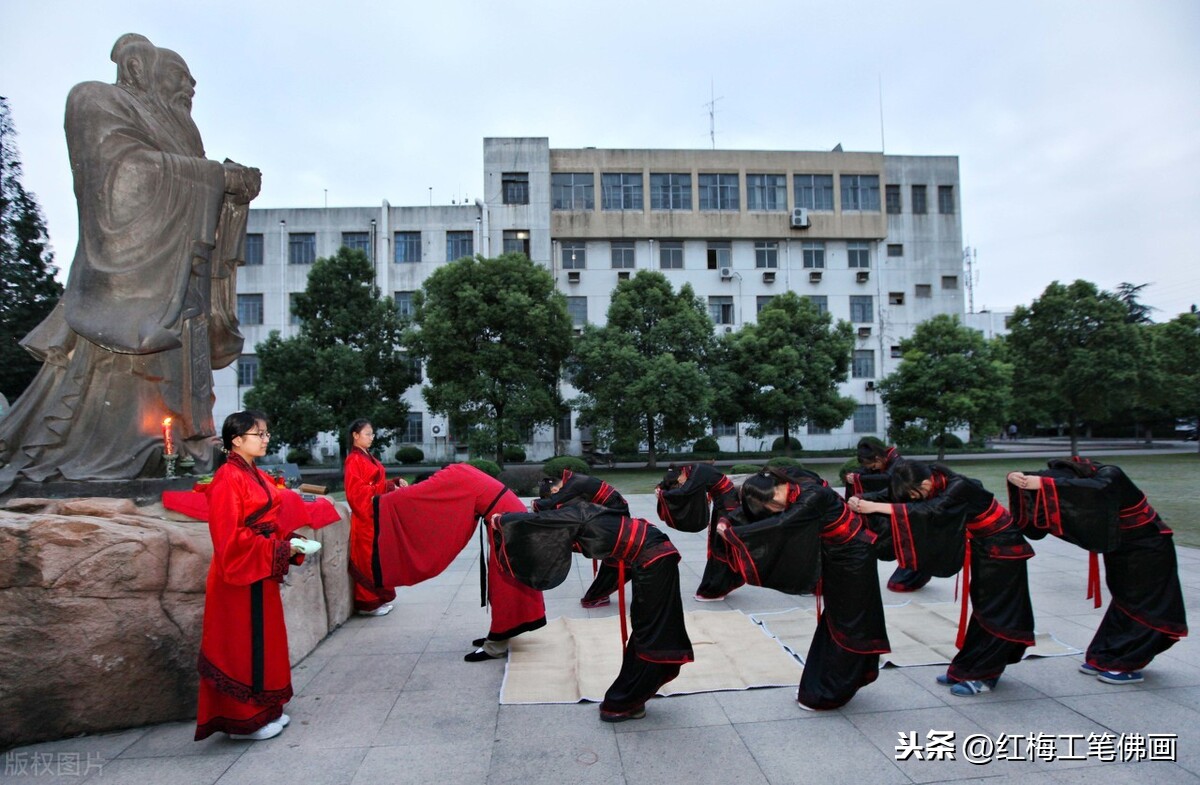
[150, 305]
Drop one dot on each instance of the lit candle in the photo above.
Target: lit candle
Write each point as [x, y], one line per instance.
[168, 447]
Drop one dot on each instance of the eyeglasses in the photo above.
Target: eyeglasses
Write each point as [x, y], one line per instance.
[264, 435]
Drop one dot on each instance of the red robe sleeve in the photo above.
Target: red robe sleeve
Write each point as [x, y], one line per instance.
[242, 555]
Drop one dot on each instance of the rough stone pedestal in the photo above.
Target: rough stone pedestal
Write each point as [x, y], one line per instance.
[101, 604]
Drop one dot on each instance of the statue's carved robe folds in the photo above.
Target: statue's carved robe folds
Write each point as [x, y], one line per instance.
[150, 306]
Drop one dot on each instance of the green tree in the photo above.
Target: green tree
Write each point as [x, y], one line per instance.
[730, 389]
[493, 334]
[641, 376]
[28, 291]
[1177, 345]
[346, 361]
[1074, 356]
[794, 358]
[1137, 312]
[949, 377]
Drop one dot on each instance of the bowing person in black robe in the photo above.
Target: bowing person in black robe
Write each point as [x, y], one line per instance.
[574, 488]
[1100, 509]
[1001, 622]
[874, 484]
[801, 530]
[535, 549]
[693, 498]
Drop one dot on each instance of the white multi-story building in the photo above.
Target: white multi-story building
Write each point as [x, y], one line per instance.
[873, 239]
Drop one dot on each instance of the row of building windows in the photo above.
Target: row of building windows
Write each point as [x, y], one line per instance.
[302, 246]
[622, 256]
[672, 191]
[250, 306]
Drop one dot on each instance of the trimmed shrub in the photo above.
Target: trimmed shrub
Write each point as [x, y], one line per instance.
[779, 445]
[485, 466]
[625, 448]
[301, 456]
[949, 440]
[783, 462]
[706, 444]
[745, 468]
[554, 467]
[514, 453]
[522, 480]
[409, 454]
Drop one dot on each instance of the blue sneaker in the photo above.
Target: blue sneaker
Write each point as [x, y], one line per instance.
[973, 687]
[1120, 677]
[1090, 670]
[944, 678]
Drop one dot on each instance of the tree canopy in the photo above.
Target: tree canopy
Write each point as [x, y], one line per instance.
[950, 377]
[493, 334]
[1177, 345]
[345, 363]
[1073, 352]
[641, 376]
[28, 290]
[794, 358]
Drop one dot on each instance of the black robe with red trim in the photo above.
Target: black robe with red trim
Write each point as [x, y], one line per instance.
[1146, 615]
[931, 537]
[1001, 621]
[699, 503]
[578, 488]
[535, 549]
[877, 487]
[818, 527]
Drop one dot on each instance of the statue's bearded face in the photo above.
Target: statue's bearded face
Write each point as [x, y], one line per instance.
[174, 86]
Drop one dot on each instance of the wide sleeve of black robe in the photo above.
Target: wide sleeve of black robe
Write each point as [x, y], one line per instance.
[930, 535]
[686, 507]
[1082, 511]
[782, 552]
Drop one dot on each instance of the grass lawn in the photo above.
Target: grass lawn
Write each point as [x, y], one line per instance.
[1171, 482]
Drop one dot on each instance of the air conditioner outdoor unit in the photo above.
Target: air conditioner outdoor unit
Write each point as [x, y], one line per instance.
[800, 218]
[623, 275]
[726, 273]
[769, 277]
[863, 276]
[439, 427]
[573, 276]
[728, 329]
[870, 386]
[864, 332]
[814, 276]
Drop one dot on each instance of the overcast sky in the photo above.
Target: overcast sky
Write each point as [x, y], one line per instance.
[1076, 124]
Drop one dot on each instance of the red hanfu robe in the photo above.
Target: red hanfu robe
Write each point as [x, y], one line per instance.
[365, 478]
[245, 674]
[422, 527]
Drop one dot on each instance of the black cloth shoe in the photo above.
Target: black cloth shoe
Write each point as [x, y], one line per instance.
[478, 642]
[479, 655]
[618, 716]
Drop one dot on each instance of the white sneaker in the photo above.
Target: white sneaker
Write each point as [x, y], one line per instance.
[268, 731]
[382, 610]
[698, 598]
[283, 720]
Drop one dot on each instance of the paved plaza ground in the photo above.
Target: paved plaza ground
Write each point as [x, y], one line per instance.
[389, 700]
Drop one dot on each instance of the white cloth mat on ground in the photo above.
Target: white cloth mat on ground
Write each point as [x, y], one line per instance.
[920, 634]
[570, 659]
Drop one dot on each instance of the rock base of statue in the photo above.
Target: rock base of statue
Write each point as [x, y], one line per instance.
[102, 602]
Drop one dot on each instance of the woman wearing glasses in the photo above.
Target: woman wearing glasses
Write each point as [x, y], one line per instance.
[245, 675]
[365, 478]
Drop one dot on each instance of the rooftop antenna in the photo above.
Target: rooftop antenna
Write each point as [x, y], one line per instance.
[882, 146]
[712, 113]
[969, 261]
